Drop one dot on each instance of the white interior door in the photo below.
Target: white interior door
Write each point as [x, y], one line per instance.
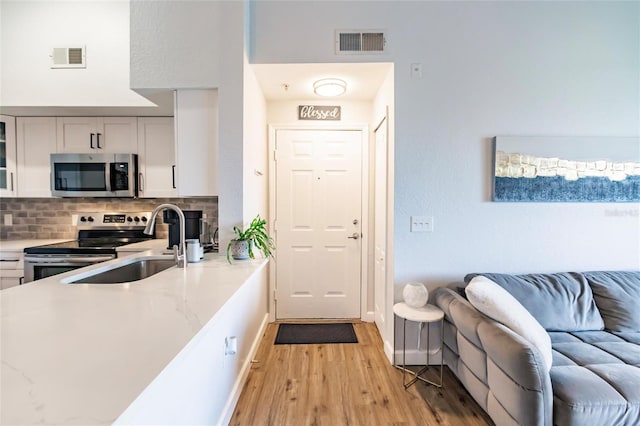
[380, 225]
[318, 223]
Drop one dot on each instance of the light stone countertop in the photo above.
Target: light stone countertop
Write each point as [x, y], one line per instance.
[81, 353]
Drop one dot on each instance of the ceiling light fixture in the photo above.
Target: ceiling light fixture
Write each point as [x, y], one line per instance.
[330, 87]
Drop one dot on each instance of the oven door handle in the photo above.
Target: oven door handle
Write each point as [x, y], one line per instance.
[49, 260]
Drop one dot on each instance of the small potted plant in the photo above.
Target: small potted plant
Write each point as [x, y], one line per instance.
[254, 236]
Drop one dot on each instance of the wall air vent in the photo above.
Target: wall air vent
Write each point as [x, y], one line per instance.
[68, 57]
[360, 42]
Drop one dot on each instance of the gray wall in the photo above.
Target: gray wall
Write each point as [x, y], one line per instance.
[489, 68]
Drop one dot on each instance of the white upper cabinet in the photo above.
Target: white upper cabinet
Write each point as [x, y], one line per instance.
[8, 182]
[156, 157]
[97, 134]
[36, 137]
[196, 121]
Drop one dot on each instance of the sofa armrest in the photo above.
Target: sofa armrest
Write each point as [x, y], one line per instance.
[518, 389]
[516, 375]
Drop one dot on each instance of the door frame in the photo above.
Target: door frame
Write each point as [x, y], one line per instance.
[365, 315]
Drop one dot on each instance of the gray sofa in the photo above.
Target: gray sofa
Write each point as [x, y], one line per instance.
[593, 319]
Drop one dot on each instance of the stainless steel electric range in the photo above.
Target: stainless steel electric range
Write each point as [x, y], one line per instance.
[99, 234]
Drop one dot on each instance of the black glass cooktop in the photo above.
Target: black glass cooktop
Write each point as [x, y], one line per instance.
[96, 243]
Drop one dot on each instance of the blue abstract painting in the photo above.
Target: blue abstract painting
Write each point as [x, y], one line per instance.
[563, 169]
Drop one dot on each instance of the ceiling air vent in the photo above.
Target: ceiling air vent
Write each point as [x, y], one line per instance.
[356, 41]
[68, 57]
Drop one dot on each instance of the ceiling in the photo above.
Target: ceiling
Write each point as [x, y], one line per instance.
[363, 82]
[295, 81]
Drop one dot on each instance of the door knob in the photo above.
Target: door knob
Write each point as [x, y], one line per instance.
[354, 236]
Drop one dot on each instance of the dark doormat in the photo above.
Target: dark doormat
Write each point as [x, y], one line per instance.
[299, 334]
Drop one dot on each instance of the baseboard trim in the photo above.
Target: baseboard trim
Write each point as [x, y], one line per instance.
[225, 418]
[388, 351]
[368, 316]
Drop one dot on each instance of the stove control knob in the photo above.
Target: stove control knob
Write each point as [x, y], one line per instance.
[90, 218]
[83, 219]
[129, 219]
[136, 219]
[144, 219]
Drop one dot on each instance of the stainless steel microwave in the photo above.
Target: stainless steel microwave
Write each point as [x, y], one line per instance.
[94, 175]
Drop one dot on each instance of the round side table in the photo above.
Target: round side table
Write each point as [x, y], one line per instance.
[426, 314]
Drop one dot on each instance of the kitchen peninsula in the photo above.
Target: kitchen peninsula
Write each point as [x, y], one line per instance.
[171, 348]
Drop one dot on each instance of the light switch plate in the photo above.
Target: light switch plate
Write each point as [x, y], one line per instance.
[421, 223]
[8, 219]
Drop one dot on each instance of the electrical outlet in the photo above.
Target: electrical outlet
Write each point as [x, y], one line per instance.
[8, 219]
[230, 345]
[421, 223]
[74, 219]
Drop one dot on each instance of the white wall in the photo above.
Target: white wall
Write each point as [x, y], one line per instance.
[176, 44]
[199, 44]
[255, 189]
[30, 29]
[489, 68]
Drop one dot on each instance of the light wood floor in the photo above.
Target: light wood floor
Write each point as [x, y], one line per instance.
[345, 384]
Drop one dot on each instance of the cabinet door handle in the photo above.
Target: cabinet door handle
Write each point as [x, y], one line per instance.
[173, 175]
[21, 281]
[98, 140]
[91, 140]
[140, 182]
[11, 176]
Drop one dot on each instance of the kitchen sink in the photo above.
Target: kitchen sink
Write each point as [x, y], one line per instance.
[136, 270]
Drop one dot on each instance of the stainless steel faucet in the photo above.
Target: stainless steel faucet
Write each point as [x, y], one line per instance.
[178, 251]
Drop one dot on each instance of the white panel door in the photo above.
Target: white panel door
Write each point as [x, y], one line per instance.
[380, 226]
[318, 223]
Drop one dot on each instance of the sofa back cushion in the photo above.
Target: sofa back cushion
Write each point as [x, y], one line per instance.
[498, 304]
[617, 295]
[560, 302]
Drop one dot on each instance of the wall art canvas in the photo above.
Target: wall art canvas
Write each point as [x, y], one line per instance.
[566, 169]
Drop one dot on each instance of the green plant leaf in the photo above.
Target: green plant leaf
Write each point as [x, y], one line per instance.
[256, 235]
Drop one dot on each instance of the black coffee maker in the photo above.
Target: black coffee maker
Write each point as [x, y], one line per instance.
[191, 225]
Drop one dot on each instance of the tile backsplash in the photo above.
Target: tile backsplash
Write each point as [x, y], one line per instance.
[51, 217]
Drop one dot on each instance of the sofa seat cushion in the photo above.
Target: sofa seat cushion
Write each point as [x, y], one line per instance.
[629, 336]
[560, 302]
[595, 378]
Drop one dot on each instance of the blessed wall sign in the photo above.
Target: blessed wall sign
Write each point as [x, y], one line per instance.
[319, 112]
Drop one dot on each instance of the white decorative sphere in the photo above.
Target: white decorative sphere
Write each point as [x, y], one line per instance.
[415, 294]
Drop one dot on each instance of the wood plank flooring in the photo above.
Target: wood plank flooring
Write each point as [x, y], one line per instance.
[345, 384]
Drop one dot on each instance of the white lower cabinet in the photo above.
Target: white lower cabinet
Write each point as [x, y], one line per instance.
[156, 157]
[36, 137]
[11, 269]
